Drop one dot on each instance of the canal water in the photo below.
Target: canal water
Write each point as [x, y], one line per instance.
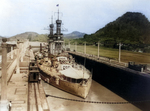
[97, 93]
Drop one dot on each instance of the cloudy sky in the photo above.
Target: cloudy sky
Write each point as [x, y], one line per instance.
[18, 16]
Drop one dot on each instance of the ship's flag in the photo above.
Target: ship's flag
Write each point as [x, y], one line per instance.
[57, 5]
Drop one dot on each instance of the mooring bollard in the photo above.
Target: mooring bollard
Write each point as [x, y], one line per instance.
[18, 56]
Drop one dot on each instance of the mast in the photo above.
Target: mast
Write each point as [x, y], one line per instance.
[58, 10]
[55, 40]
[51, 26]
[51, 36]
[58, 35]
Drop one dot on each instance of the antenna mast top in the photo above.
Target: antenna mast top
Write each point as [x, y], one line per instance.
[58, 13]
[58, 10]
[52, 20]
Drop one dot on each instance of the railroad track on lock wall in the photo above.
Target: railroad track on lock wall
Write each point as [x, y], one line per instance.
[34, 97]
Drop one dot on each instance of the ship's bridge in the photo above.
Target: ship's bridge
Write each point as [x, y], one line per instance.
[61, 58]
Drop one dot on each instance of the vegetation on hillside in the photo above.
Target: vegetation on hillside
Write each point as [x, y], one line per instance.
[74, 35]
[131, 29]
[32, 36]
[41, 38]
[25, 35]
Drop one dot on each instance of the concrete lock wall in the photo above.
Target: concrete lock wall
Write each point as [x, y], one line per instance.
[129, 84]
[11, 69]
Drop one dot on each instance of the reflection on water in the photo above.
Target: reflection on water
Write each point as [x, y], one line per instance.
[97, 93]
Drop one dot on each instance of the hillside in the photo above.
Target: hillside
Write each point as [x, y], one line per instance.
[26, 35]
[131, 29]
[74, 35]
[33, 36]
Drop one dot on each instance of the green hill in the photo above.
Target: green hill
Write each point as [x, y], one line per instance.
[32, 36]
[25, 35]
[74, 35]
[132, 29]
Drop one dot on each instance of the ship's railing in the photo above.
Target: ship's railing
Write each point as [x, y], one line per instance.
[73, 80]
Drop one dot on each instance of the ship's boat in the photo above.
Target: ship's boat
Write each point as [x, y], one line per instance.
[64, 73]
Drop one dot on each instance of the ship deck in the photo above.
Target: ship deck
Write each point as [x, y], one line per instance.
[75, 73]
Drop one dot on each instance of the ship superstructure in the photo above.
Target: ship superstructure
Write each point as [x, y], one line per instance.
[60, 69]
[56, 40]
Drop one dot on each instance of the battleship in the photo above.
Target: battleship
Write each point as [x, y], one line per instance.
[59, 69]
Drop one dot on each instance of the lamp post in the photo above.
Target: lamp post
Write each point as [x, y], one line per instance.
[11, 52]
[84, 47]
[4, 71]
[64, 45]
[98, 49]
[40, 47]
[18, 57]
[69, 45]
[119, 52]
[75, 46]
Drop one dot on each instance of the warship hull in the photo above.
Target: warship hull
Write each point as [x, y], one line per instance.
[70, 85]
